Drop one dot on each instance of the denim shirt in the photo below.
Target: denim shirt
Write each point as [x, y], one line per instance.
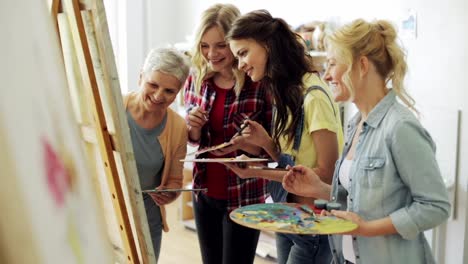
[394, 173]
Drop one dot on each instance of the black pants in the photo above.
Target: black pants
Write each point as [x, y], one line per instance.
[221, 240]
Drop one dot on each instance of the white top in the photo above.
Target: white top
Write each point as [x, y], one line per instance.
[344, 173]
[348, 251]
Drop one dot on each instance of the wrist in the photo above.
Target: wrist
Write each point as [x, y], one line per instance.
[252, 149]
[194, 134]
[365, 229]
[323, 192]
[272, 149]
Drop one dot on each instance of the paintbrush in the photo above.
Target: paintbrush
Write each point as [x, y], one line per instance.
[244, 125]
[309, 211]
[201, 151]
[226, 144]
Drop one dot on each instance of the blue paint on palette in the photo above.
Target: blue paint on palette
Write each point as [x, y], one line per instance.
[271, 213]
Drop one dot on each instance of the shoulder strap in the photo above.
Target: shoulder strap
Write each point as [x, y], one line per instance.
[316, 87]
[300, 126]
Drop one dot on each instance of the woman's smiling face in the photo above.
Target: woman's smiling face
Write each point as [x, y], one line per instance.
[334, 76]
[252, 57]
[215, 50]
[159, 90]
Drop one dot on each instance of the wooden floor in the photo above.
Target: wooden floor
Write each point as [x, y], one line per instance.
[180, 245]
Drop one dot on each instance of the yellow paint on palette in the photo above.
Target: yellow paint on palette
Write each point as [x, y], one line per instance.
[333, 225]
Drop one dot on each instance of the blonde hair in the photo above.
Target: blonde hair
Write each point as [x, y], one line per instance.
[378, 42]
[221, 16]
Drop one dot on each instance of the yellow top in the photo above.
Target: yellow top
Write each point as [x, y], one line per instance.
[318, 114]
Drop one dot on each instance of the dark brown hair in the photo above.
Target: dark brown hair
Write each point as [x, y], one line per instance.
[286, 64]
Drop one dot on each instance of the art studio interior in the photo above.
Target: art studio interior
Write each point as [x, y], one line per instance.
[91, 83]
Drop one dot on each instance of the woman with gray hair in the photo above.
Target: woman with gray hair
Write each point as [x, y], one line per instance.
[159, 135]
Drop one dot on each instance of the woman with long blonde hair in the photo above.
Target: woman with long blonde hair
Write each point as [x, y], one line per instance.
[387, 180]
[218, 98]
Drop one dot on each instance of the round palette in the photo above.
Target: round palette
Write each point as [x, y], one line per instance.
[288, 218]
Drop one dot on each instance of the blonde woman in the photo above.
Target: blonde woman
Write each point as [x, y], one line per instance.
[387, 180]
[218, 98]
[158, 134]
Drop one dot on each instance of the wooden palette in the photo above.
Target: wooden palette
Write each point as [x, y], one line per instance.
[288, 218]
[225, 160]
[212, 148]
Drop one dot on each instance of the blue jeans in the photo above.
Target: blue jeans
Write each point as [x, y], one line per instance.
[153, 214]
[221, 240]
[301, 249]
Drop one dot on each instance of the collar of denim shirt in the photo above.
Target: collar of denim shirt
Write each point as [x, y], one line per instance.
[377, 114]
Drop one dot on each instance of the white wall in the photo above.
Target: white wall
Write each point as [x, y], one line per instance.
[438, 60]
[128, 28]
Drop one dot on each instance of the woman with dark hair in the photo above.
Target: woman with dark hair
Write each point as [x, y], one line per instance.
[307, 127]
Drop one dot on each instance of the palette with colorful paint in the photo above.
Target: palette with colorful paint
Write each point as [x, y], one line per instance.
[288, 218]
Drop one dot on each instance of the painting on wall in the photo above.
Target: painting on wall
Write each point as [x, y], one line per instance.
[408, 25]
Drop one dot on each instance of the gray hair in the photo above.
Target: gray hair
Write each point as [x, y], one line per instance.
[169, 61]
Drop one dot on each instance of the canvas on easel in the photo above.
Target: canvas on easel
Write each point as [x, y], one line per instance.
[50, 212]
[97, 102]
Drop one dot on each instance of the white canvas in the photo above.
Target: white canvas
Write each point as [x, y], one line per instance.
[51, 171]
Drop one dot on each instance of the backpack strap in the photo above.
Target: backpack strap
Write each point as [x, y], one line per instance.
[300, 126]
[316, 87]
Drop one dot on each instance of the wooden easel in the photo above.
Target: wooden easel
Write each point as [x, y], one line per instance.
[97, 100]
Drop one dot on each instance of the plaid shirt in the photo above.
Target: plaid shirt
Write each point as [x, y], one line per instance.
[252, 100]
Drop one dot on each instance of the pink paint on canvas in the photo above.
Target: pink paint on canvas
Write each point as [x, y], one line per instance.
[58, 178]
